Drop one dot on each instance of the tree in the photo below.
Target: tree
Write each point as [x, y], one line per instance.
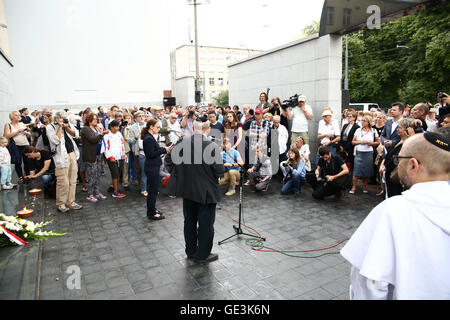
[222, 98]
[406, 60]
[312, 28]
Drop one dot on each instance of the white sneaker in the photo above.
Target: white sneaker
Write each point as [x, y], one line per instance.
[6, 187]
[63, 208]
[230, 192]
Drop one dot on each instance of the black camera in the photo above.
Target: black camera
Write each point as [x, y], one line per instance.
[124, 123]
[191, 113]
[442, 95]
[285, 164]
[292, 102]
[66, 121]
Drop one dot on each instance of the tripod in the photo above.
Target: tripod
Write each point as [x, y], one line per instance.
[238, 229]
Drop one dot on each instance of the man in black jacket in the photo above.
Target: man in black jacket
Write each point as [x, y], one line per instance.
[196, 165]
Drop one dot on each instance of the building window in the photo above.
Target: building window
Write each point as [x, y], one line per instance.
[220, 81]
[330, 15]
[347, 17]
[202, 81]
[211, 81]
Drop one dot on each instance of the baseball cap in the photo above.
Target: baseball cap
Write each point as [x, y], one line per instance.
[259, 110]
[302, 98]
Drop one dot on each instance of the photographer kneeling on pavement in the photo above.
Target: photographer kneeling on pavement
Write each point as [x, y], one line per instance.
[41, 166]
[294, 173]
[331, 175]
[261, 172]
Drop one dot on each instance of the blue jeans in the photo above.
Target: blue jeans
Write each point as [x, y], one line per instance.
[6, 174]
[143, 175]
[132, 167]
[294, 184]
[45, 179]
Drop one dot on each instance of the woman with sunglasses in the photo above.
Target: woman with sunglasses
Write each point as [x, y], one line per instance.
[390, 161]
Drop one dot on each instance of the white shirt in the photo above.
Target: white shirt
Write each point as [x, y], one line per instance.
[300, 122]
[402, 249]
[283, 137]
[113, 146]
[395, 125]
[328, 128]
[5, 157]
[361, 135]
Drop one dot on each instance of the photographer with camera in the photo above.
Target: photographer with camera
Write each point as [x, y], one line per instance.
[261, 172]
[331, 176]
[277, 109]
[232, 162]
[42, 167]
[65, 152]
[300, 115]
[294, 172]
[188, 121]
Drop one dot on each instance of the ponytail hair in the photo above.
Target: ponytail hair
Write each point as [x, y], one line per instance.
[144, 130]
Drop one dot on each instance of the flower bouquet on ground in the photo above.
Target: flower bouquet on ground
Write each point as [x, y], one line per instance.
[16, 231]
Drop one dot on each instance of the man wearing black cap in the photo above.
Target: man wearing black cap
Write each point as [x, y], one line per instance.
[401, 249]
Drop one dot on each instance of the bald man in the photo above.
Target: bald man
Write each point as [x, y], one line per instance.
[401, 250]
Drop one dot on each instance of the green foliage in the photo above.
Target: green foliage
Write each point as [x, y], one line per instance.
[222, 98]
[312, 28]
[381, 72]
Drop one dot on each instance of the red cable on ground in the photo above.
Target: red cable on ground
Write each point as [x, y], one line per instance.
[285, 251]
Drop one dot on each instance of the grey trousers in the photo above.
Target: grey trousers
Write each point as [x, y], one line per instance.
[93, 173]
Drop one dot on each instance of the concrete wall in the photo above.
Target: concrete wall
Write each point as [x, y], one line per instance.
[6, 90]
[185, 91]
[88, 52]
[311, 66]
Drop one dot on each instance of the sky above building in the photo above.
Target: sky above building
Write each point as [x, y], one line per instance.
[115, 51]
[252, 24]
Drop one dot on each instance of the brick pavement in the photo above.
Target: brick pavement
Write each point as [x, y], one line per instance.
[123, 255]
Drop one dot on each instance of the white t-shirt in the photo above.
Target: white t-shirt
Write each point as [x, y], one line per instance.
[324, 128]
[300, 122]
[365, 136]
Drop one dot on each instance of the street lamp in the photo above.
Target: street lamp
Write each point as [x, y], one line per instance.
[195, 3]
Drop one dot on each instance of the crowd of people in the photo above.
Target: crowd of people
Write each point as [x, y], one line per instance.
[140, 147]
[62, 148]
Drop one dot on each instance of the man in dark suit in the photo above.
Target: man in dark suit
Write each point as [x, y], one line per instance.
[389, 136]
[196, 165]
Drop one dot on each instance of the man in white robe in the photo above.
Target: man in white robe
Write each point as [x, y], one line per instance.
[402, 249]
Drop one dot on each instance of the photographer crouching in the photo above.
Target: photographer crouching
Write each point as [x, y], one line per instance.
[330, 177]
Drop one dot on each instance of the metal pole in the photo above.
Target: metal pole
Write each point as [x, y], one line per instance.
[346, 63]
[197, 70]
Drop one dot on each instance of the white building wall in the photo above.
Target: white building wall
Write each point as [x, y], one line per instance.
[6, 90]
[184, 88]
[311, 66]
[92, 52]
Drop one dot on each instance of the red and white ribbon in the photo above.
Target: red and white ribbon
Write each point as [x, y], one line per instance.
[13, 237]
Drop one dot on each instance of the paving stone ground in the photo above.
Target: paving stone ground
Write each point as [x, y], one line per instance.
[123, 255]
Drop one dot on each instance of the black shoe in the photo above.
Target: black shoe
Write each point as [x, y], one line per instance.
[161, 217]
[111, 189]
[191, 257]
[212, 257]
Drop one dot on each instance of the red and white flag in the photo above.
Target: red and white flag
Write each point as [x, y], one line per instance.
[13, 237]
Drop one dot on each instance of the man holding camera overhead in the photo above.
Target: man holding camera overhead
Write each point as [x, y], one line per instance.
[65, 154]
[300, 115]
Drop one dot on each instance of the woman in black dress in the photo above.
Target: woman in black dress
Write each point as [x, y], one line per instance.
[153, 163]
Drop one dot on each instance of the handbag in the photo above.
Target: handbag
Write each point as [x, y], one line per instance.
[16, 157]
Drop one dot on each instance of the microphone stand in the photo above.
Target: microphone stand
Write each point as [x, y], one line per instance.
[238, 229]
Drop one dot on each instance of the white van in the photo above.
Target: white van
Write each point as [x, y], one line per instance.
[363, 106]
